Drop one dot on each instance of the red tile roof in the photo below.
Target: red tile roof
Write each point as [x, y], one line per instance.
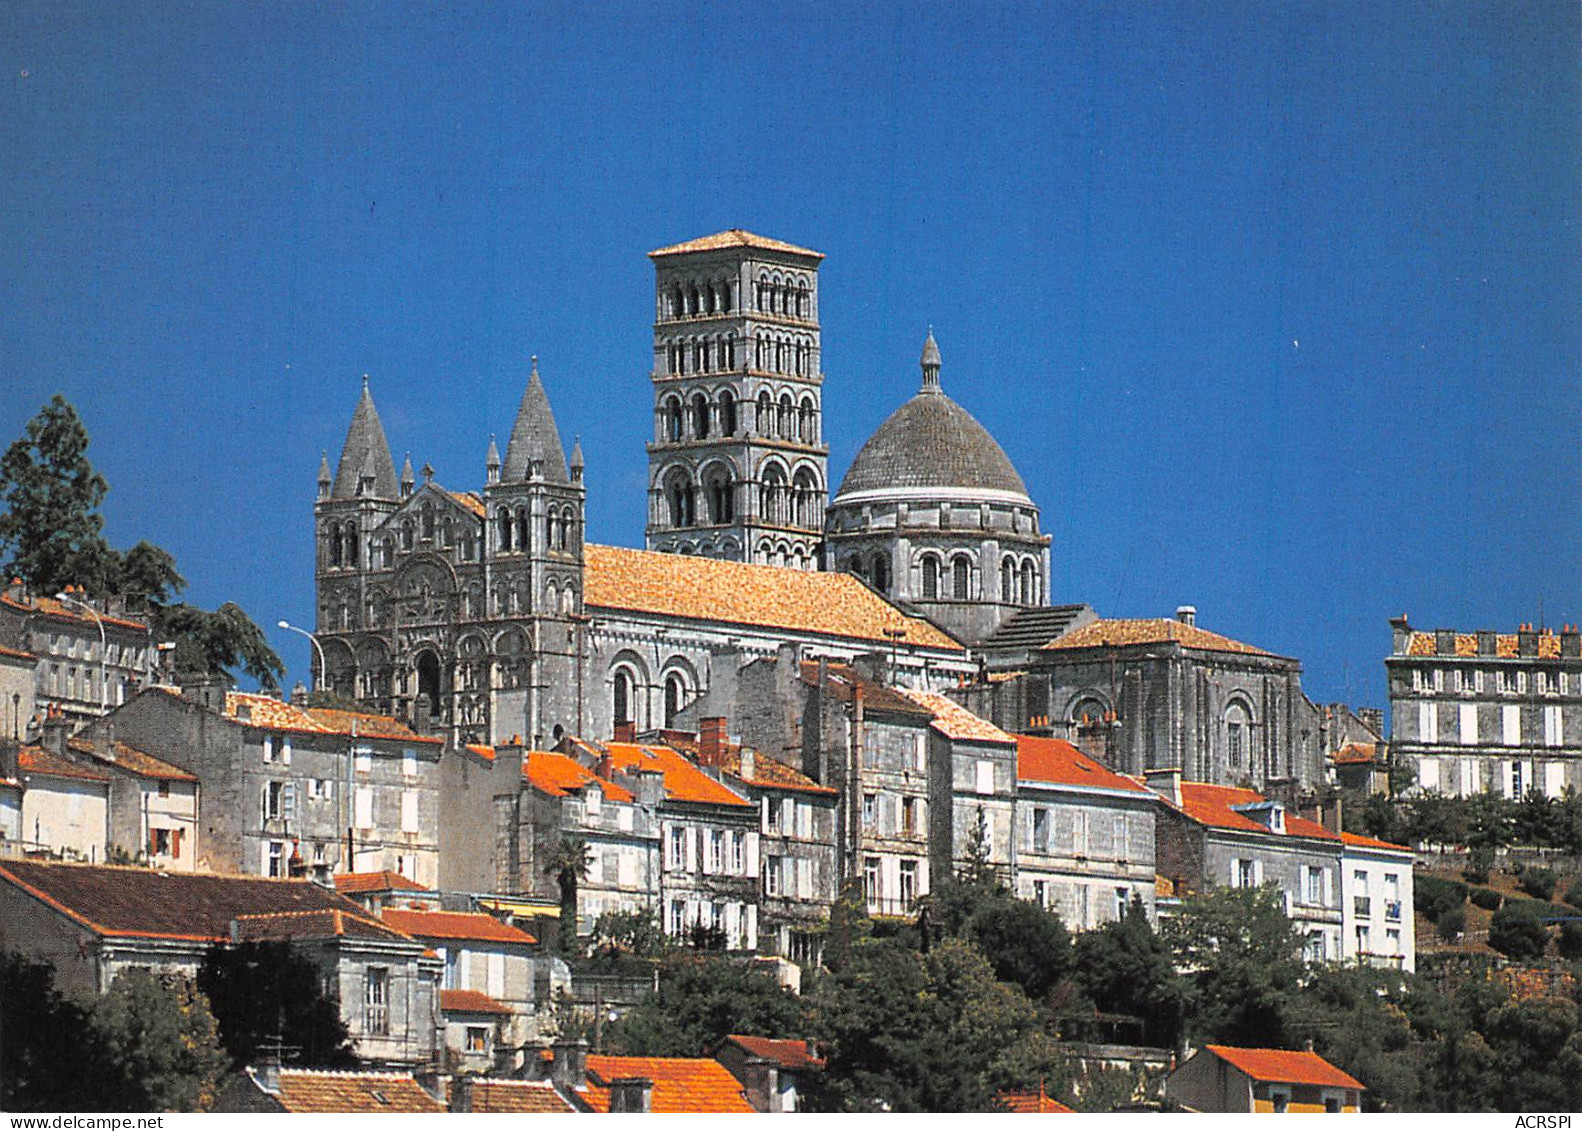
[471, 1001]
[794, 1055]
[1056, 761]
[466, 925]
[128, 758]
[768, 773]
[1160, 630]
[40, 762]
[482, 751]
[138, 902]
[1032, 1103]
[469, 501]
[843, 680]
[684, 781]
[526, 1097]
[1284, 1067]
[733, 237]
[268, 713]
[954, 721]
[1371, 842]
[1355, 754]
[1213, 805]
[50, 607]
[357, 882]
[321, 924]
[1506, 644]
[16, 654]
[681, 1084]
[558, 775]
[335, 1093]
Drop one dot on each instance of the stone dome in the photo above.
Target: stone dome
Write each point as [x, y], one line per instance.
[931, 441]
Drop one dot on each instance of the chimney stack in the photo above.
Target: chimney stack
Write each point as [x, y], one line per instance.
[626, 731]
[761, 1082]
[569, 1068]
[54, 732]
[631, 1094]
[1166, 782]
[749, 765]
[1187, 614]
[711, 741]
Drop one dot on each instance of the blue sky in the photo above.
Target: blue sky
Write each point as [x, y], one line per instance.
[1275, 306]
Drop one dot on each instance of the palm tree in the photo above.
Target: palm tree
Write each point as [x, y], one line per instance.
[568, 862]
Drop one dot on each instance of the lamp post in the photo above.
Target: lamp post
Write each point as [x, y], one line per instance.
[97, 620]
[318, 684]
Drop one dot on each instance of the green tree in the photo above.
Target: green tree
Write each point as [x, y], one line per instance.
[700, 1001]
[1125, 967]
[163, 1050]
[44, 1040]
[567, 862]
[50, 527]
[1517, 931]
[1537, 1049]
[1025, 943]
[978, 869]
[1244, 962]
[637, 934]
[260, 993]
[212, 643]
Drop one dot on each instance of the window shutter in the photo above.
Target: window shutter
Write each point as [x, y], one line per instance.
[804, 818]
[690, 842]
[733, 923]
[763, 813]
[288, 801]
[263, 803]
[364, 807]
[153, 840]
[409, 823]
[751, 941]
[1329, 889]
[269, 748]
[1257, 873]
[750, 856]
[804, 878]
[285, 751]
[497, 975]
[175, 843]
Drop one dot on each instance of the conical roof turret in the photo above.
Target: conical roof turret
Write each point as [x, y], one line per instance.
[534, 437]
[576, 455]
[408, 480]
[931, 362]
[365, 450]
[325, 479]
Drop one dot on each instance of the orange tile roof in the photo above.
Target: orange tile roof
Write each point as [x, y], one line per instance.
[484, 752]
[1284, 1067]
[269, 713]
[1056, 761]
[1355, 754]
[1159, 630]
[733, 237]
[844, 680]
[468, 500]
[1033, 1103]
[1213, 805]
[1466, 644]
[471, 1001]
[557, 775]
[128, 758]
[525, 1097]
[787, 1054]
[335, 1093]
[768, 773]
[684, 781]
[679, 585]
[1372, 842]
[317, 924]
[473, 925]
[16, 654]
[357, 882]
[47, 763]
[50, 607]
[681, 1084]
[954, 721]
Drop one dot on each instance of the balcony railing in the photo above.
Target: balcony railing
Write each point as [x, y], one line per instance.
[892, 906]
[376, 1020]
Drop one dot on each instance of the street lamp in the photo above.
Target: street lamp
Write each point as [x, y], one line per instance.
[318, 684]
[91, 611]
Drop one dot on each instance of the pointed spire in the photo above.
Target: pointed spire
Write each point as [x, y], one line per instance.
[491, 463]
[931, 362]
[534, 437]
[365, 450]
[407, 479]
[576, 460]
[324, 475]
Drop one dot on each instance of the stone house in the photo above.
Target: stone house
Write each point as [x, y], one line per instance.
[75, 670]
[286, 787]
[153, 805]
[1220, 1078]
[1487, 711]
[17, 674]
[774, 1074]
[65, 803]
[1378, 924]
[1085, 834]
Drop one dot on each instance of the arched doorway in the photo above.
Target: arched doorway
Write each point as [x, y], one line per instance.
[428, 681]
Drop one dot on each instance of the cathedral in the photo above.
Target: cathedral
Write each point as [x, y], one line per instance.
[482, 614]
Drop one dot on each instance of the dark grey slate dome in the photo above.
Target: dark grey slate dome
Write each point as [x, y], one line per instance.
[931, 441]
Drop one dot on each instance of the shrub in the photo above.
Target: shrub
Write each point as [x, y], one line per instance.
[1452, 923]
[1479, 861]
[1571, 939]
[1436, 897]
[1539, 882]
[1518, 933]
[1486, 898]
[1574, 892]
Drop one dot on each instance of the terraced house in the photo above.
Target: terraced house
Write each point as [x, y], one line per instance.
[87, 658]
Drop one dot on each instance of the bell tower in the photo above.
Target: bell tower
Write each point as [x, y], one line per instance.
[737, 468]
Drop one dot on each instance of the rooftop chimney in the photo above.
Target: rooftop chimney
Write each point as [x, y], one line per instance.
[711, 741]
[761, 1082]
[54, 731]
[1166, 782]
[631, 1094]
[626, 731]
[569, 1068]
[1187, 614]
[749, 764]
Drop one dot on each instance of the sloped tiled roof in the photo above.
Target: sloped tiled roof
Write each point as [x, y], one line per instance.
[1056, 761]
[1506, 645]
[761, 596]
[471, 1001]
[733, 237]
[358, 882]
[1282, 1066]
[1355, 754]
[557, 775]
[1032, 1103]
[534, 436]
[336, 1093]
[46, 763]
[137, 902]
[365, 452]
[468, 500]
[954, 721]
[320, 924]
[482, 751]
[1159, 630]
[1213, 805]
[524, 1097]
[844, 680]
[16, 654]
[466, 925]
[768, 773]
[269, 713]
[683, 780]
[128, 758]
[682, 1085]
[794, 1055]
[1360, 841]
[50, 607]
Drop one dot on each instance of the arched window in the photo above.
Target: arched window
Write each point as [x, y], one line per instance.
[881, 573]
[772, 497]
[700, 416]
[428, 523]
[806, 422]
[720, 494]
[623, 695]
[675, 693]
[678, 492]
[673, 419]
[504, 522]
[406, 534]
[1029, 584]
[678, 304]
[351, 543]
[766, 414]
[727, 413]
[387, 552]
[1238, 729]
[447, 533]
[1007, 581]
[725, 297]
[428, 681]
[521, 529]
[930, 578]
[333, 537]
[730, 352]
[568, 600]
[787, 420]
[806, 498]
[960, 578]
